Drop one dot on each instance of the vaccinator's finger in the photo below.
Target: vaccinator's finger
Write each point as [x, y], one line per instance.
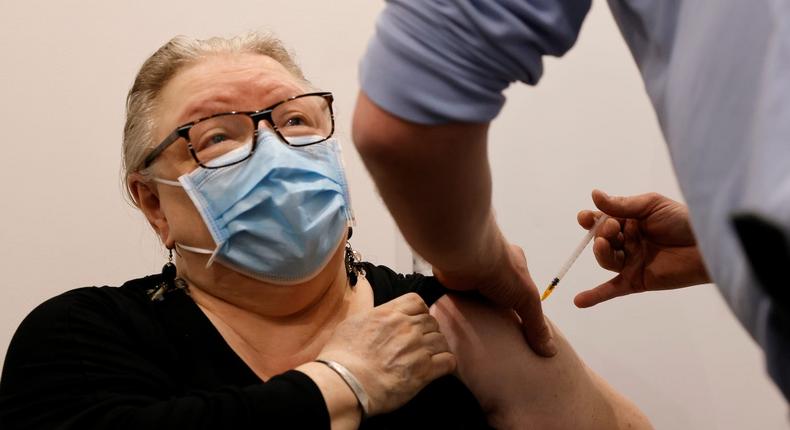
[586, 218]
[536, 330]
[609, 229]
[607, 256]
[615, 287]
[638, 206]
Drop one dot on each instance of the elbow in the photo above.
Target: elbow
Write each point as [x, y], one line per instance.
[378, 135]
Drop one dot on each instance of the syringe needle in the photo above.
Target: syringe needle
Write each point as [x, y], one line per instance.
[565, 267]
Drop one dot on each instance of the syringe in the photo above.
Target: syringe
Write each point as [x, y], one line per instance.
[583, 244]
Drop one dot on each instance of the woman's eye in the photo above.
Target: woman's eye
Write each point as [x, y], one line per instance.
[217, 138]
[295, 121]
[212, 139]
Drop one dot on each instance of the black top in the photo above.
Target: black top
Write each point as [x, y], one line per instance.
[110, 358]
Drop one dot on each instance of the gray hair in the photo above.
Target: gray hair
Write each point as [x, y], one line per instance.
[162, 66]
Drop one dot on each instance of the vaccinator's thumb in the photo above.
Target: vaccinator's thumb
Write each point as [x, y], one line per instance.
[624, 207]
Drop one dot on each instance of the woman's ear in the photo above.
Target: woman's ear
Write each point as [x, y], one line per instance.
[146, 197]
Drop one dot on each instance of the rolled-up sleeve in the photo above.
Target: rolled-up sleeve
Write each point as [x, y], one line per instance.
[437, 61]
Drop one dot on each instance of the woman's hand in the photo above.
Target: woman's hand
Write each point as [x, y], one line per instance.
[394, 351]
[648, 242]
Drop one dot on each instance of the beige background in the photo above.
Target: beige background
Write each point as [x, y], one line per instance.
[66, 68]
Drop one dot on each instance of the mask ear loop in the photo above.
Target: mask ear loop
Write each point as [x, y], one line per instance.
[203, 251]
[353, 261]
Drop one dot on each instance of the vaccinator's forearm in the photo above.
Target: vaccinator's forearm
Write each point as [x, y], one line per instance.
[436, 182]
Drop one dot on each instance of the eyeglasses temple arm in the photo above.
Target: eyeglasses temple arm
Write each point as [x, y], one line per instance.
[172, 137]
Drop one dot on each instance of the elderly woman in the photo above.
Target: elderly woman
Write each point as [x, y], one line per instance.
[270, 320]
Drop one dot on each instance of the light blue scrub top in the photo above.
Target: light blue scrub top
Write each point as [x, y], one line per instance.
[717, 73]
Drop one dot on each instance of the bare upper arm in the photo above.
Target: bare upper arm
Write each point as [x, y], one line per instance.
[515, 386]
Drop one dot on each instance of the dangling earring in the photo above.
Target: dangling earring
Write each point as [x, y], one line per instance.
[168, 281]
[353, 261]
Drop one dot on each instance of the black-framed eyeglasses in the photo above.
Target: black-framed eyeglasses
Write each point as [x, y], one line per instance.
[225, 139]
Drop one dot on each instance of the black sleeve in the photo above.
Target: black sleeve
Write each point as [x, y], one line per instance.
[387, 285]
[73, 365]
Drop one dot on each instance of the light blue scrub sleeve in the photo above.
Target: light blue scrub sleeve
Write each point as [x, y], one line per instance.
[438, 61]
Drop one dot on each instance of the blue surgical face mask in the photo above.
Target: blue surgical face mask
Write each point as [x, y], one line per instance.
[278, 216]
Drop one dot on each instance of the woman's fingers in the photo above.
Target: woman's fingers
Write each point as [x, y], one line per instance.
[442, 359]
[435, 343]
[409, 304]
[442, 364]
[426, 322]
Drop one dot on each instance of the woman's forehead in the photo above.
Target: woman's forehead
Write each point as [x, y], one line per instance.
[226, 82]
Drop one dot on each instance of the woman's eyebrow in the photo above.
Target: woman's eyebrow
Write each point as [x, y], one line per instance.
[220, 102]
[203, 108]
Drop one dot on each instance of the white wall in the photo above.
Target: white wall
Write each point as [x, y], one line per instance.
[66, 67]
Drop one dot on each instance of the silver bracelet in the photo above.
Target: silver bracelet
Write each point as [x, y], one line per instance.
[352, 383]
